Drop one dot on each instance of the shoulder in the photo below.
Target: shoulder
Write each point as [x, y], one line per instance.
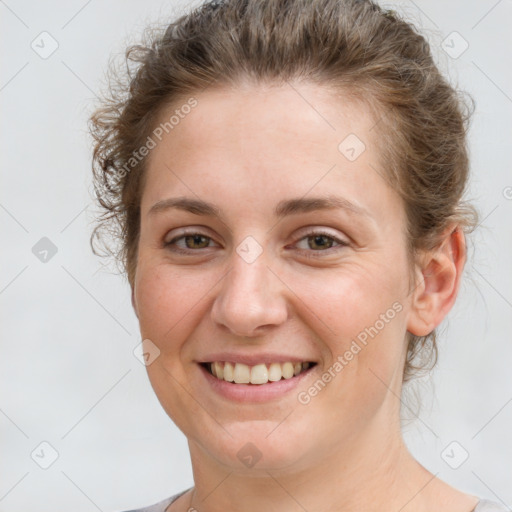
[483, 505]
[161, 505]
[490, 506]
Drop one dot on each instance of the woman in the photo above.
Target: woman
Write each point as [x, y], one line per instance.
[286, 179]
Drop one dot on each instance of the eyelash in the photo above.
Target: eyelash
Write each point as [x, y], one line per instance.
[307, 253]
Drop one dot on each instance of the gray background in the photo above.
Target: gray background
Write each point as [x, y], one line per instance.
[68, 373]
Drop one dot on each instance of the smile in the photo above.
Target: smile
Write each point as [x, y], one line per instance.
[239, 373]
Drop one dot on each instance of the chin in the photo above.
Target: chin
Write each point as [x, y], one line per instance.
[255, 447]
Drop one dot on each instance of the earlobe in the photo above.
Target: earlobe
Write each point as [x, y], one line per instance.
[439, 282]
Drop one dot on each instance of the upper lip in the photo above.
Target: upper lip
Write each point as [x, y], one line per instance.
[254, 359]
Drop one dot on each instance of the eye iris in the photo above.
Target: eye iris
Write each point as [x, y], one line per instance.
[201, 240]
[317, 242]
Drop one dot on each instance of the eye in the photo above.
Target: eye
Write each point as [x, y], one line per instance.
[311, 243]
[188, 242]
[319, 241]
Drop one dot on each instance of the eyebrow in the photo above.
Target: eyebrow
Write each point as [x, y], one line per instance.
[283, 209]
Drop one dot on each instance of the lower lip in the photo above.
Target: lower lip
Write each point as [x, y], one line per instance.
[253, 392]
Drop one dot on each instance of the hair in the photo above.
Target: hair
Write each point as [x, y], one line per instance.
[351, 47]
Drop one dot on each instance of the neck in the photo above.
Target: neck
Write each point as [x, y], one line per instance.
[373, 472]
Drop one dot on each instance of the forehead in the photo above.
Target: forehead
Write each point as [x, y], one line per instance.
[251, 113]
[260, 142]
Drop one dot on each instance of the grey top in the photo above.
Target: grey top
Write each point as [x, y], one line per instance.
[483, 505]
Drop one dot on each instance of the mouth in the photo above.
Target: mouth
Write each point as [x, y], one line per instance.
[258, 374]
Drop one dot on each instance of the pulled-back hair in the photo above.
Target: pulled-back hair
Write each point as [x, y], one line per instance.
[353, 47]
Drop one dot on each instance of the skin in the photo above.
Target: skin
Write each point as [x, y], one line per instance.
[245, 149]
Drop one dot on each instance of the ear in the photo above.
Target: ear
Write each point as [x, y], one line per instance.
[134, 302]
[439, 280]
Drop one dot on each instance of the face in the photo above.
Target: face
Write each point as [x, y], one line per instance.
[269, 237]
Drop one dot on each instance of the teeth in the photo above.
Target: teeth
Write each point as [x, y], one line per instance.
[219, 369]
[274, 372]
[228, 372]
[258, 374]
[242, 374]
[288, 370]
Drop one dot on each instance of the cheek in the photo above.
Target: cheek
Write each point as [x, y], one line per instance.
[169, 302]
[347, 302]
[359, 314]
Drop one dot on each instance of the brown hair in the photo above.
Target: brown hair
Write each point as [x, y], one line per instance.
[346, 45]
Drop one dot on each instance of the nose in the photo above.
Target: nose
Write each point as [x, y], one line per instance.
[251, 299]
